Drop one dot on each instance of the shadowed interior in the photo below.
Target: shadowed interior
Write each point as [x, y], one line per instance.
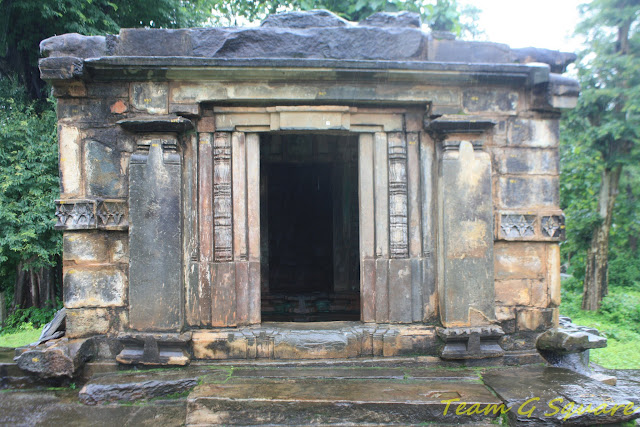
[309, 226]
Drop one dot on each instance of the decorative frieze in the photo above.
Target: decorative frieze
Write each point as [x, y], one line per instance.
[88, 214]
[112, 214]
[530, 226]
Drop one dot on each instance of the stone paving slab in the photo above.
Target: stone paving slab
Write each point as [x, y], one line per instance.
[303, 401]
[61, 408]
[540, 395]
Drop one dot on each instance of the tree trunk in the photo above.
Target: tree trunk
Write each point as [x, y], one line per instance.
[35, 287]
[3, 309]
[596, 278]
[633, 237]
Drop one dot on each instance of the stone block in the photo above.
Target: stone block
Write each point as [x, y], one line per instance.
[107, 90]
[150, 97]
[156, 42]
[529, 192]
[103, 171]
[91, 247]
[553, 274]
[526, 161]
[119, 247]
[57, 358]
[513, 292]
[318, 344]
[539, 293]
[410, 340]
[83, 110]
[541, 133]
[74, 45]
[393, 19]
[70, 174]
[75, 214]
[520, 260]
[505, 313]
[85, 322]
[61, 68]
[219, 345]
[490, 100]
[105, 287]
[535, 319]
[72, 89]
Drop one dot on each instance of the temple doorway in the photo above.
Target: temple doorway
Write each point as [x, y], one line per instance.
[309, 227]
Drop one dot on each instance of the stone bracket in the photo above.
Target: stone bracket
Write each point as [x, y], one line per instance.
[530, 226]
[471, 343]
[92, 214]
[154, 349]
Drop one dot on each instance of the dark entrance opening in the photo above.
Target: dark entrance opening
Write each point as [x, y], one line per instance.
[309, 228]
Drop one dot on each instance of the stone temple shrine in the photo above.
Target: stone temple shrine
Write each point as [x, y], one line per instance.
[309, 188]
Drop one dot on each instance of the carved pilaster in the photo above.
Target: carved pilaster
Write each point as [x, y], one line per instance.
[222, 202]
[398, 237]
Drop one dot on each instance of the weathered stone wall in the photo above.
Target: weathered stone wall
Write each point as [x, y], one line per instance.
[94, 162]
[458, 142]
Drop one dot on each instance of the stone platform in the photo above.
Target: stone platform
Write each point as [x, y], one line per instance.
[325, 392]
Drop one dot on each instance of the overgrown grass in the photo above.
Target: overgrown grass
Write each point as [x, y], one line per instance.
[618, 319]
[20, 338]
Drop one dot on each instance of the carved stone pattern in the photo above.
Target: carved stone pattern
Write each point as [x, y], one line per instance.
[222, 202]
[76, 215]
[398, 230]
[552, 226]
[517, 225]
[112, 214]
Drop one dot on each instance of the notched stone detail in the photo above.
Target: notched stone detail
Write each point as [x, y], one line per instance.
[530, 226]
[87, 214]
[471, 343]
[154, 349]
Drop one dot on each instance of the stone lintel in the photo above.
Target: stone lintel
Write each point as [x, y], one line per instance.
[160, 124]
[284, 69]
[447, 125]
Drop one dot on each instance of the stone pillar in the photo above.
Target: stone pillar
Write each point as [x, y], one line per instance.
[466, 237]
[156, 300]
[155, 236]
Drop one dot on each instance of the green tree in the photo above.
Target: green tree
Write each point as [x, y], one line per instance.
[24, 23]
[29, 247]
[605, 127]
[28, 186]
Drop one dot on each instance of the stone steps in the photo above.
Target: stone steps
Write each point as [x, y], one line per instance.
[337, 396]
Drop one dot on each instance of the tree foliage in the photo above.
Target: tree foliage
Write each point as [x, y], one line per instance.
[601, 152]
[28, 184]
[24, 23]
